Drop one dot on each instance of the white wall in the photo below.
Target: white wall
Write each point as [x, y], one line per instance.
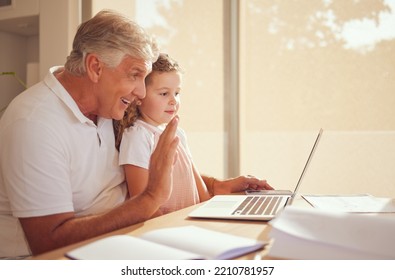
[24, 45]
[59, 21]
[13, 57]
[20, 8]
[18, 39]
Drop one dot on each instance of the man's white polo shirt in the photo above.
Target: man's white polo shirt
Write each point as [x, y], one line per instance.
[53, 159]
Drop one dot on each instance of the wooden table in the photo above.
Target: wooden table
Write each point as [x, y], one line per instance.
[252, 229]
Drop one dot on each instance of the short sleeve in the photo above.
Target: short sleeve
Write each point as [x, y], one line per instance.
[136, 147]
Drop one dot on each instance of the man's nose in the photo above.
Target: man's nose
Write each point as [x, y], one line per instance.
[139, 90]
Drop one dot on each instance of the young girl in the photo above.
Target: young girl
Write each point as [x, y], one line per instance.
[140, 129]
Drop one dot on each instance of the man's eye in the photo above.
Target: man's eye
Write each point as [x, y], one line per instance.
[133, 76]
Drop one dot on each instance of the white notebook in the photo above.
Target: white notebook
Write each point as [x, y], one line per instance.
[188, 242]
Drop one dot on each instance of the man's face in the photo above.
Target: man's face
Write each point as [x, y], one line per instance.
[119, 86]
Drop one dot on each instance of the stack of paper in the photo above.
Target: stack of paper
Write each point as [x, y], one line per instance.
[308, 233]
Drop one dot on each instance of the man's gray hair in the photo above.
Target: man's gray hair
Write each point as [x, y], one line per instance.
[111, 36]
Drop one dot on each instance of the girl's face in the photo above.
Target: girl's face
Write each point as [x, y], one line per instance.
[162, 99]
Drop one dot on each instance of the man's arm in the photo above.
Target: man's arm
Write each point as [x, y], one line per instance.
[54, 231]
[47, 233]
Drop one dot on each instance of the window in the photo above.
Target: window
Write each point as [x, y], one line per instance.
[311, 64]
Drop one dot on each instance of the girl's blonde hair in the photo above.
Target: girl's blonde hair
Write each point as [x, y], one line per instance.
[164, 64]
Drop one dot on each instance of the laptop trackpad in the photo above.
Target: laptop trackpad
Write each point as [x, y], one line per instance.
[220, 204]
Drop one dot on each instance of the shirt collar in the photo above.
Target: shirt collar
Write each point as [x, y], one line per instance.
[58, 89]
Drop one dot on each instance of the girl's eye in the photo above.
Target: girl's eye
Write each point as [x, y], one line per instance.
[163, 93]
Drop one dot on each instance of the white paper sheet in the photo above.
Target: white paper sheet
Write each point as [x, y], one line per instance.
[357, 203]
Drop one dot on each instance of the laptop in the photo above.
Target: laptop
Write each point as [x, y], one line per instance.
[262, 206]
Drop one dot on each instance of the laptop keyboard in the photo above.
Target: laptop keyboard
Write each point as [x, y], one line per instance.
[259, 205]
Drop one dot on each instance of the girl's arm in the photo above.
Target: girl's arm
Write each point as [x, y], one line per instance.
[201, 186]
[137, 180]
[234, 185]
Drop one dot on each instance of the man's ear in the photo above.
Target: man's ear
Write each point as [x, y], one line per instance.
[94, 67]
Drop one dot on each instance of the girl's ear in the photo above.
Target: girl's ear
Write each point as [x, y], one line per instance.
[94, 67]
